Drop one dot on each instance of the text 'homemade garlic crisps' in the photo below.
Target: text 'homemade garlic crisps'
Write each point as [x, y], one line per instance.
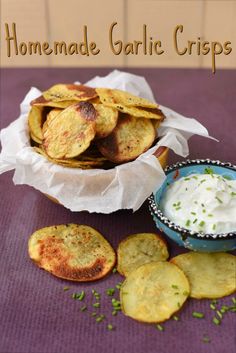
[81, 127]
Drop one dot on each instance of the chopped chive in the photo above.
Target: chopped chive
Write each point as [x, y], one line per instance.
[110, 327]
[188, 222]
[195, 220]
[195, 202]
[216, 321]
[83, 308]
[203, 211]
[74, 296]
[219, 314]
[99, 319]
[118, 286]
[201, 224]
[202, 181]
[187, 179]
[209, 189]
[114, 270]
[233, 193]
[178, 304]
[206, 339]
[198, 315]
[176, 318]
[212, 306]
[177, 293]
[174, 286]
[114, 313]
[94, 314]
[233, 300]
[233, 309]
[210, 215]
[202, 204]
[214, 301]
[195, 177]
[227, 177]
[208, 171]
[218, 199]
[214, 227]
[193, 213]
[81, 295]
[174, 205]
[96, 305]
[66, 288]
[110, 291]
[160, 327]
[178, 208]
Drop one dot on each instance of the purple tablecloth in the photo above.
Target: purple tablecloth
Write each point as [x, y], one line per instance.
[36, 314]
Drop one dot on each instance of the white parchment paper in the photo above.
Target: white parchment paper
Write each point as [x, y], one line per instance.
[125, 187]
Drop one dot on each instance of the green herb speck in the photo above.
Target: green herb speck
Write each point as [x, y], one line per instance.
[216, 321]
[198, 315]
[160, 327]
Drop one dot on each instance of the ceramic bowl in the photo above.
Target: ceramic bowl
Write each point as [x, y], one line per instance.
[184, 237]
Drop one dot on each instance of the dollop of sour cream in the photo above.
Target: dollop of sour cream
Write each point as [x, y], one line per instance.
[204, 203]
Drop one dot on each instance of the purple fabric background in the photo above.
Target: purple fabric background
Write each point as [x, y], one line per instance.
[36, 315]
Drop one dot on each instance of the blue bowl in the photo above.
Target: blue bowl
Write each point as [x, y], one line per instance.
[184, 237]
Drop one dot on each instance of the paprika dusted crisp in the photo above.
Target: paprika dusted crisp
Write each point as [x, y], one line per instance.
[73, 252]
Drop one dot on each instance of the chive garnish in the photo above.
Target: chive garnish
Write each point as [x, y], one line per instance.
[193, 213]
[201, 224]
[210, 215]
[110, 291]
[195, 220]
[118, 286]
[208, 171]
[212, 306]
[206, 339]
[160, 327]
[188, 222]
[203, 211]
[219, 314]
[216, 321]
[174, 286]
[218, 199]
[94, 314]
[176, 318]
[233, 193]
[202, 181]
[187, 179]
[83, 308]
[209, 189]
[198, 315]
[110, 327]
[214, 227]
[202, 204]
[114, 312]
[96, 305]
[66, 288]
[114, 270]
[233, 300]
[81, 295]
[177, 208]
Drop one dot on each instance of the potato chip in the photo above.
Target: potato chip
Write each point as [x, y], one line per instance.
[106, 120]
[116, 96]
[71, 162]
[139, 249]
[211, 275]
[70, 132]
[153, 113]
[42, 102]
[154, 291]
[35, 121]
[69, 92]
[51, 115]
[130, 138]
[73, 252]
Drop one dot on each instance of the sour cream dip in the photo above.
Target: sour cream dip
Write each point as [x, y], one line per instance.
[204, 203]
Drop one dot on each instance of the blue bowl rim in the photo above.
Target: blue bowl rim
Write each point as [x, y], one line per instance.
[185, 233]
